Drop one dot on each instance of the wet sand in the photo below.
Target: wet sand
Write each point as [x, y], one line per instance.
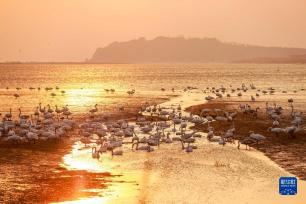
[287, 152]
[214, 174]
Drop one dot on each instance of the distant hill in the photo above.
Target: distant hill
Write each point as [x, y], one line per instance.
[193, 50]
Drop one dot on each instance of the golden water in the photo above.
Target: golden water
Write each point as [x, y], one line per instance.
[84, 84]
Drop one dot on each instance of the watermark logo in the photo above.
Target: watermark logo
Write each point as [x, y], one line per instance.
[287, 186]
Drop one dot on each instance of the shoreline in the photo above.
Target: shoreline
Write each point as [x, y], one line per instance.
[286, 152]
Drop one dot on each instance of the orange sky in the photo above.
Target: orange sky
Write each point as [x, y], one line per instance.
[71, 30]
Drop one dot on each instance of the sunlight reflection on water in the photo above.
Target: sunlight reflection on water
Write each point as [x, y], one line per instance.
[120, 188]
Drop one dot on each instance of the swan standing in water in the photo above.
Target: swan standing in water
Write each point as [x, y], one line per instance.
[94, 110]
[8, 115]
[94, 153]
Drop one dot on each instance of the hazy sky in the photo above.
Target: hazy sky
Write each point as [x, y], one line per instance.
[71, 30]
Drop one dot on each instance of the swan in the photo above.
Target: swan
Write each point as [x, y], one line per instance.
[117, 152]
[209, 118]
[11, 132]
[128, 132]
[246, 141]
[179, 108]
[209, 98]
[115, 144]
[67, 113]
[183, 125]
[222, 141]
[16, 139]
[188, 140]
[104, 145]
[221, 118]
[65, 108]
[94, 153]
[50, 110]
[257, 137]
[32, 136]
[205, 111]
[131, 92]
[210, 135]
[94, 110]
[189, 149]
[153, 142]
[292, 130]
[16, 95]
[276, 130]
[41, 110]
[101, 132]
[9, 115]
[275, 123]
[229, 134]
[147, 148]
[297, 120]
[146, 129]
[143, 140]
[167, 139]
[36, 113]
[22, 116]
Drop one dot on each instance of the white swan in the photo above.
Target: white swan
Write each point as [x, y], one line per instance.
[94, 153]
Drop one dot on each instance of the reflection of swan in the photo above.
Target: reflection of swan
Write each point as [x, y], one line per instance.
[94, 153]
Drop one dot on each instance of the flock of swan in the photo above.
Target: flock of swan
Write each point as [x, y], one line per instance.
[53, 94]
[45, 124]
[17, 95]
[155, 126]
[159, 125]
